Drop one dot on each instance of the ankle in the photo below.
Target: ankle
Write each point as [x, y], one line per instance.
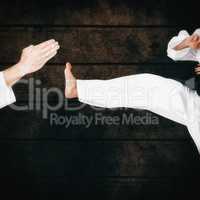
[71, 90]
[75, 91]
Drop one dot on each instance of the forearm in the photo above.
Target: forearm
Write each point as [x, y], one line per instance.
[13, 74]
[182, 45]
[33, 58]
[179, 50]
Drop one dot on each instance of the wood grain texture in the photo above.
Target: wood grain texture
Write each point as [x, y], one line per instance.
[98, 188]
[140, 159]
[98, 12]
[104, 39]
[32, 125]
[91, 45]
[54, 74]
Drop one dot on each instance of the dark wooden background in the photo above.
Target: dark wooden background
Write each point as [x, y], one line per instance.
[102, 39]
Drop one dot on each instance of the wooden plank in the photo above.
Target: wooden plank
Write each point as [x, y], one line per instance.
[140, 159]
[92, 45]
[98, 12]
[95, 188]
[87, 123]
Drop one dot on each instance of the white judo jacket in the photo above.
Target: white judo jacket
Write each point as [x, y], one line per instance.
[6, 93]
[188, 54]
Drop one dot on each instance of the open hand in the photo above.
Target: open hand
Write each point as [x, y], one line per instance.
[33, 58]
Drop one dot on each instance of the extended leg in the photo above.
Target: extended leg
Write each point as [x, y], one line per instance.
[160, 95]
[163, 96]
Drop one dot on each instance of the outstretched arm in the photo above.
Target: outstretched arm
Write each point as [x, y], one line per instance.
[33, 58]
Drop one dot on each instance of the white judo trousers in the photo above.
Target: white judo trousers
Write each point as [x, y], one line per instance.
[160, 95]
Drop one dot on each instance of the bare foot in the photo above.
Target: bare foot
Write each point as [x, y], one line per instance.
[70, 88]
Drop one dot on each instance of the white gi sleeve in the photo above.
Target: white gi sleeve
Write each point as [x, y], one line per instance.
[184, 54]
[6, 93]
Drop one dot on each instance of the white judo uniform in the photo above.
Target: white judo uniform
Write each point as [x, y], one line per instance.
[186, 54]
[160, 95]
[6, 93]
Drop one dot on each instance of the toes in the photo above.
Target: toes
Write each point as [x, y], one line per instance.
[68, 66]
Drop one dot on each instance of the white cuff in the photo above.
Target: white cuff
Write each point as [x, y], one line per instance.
[197, 31]
[178, 54]
[6, 93]
[81, 90]
[198, 56]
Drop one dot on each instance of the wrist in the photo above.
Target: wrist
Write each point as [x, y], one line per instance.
[183, 45]
[20, 69]
[12, 75]
[186, 42]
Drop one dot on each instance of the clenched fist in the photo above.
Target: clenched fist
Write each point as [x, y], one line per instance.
[33, 58]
